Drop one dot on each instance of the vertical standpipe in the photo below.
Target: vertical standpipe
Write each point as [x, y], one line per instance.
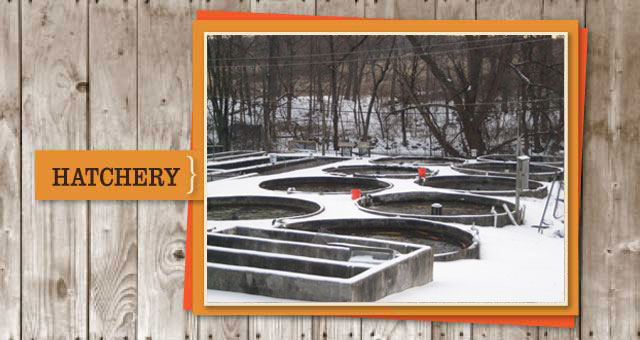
[436, 209]
[522, 178]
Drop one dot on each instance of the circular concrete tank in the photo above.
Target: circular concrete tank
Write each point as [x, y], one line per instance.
[543, 173]
[419, 160]
[484, 185]
[378, 171]
[448, 242]
[259, 207]
[535, 159]
[456, 208]
[325, 184]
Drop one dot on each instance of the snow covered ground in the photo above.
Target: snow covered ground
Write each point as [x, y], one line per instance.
[516, 265]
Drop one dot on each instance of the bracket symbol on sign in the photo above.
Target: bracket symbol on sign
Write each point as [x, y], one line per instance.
[192, 175]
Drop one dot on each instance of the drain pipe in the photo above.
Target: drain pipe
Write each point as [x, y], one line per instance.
[522, 178]
[495, 216]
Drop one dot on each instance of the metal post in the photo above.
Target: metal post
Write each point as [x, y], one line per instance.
[522, 178]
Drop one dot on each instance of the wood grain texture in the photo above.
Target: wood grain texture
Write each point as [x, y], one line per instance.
[456, 9]
[545, 333]
[564, 10]
[345, 8]
[336, 328]
[227, 5]
[164, 122]
[508, 9]
[10, 169]
[415, 9]
[611, 256]
[223, 327]
[375, 329]
[113, 291]
[400, 9]
[275, 327]
[307, 7]
[384, 9]
[500, 332]
[69, 299]
[54, 116]
[451, 330]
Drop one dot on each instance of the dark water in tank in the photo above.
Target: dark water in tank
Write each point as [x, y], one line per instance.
[423, 207]
[252, 212]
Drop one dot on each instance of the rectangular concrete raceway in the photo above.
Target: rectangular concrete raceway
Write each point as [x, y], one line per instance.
[310, 266]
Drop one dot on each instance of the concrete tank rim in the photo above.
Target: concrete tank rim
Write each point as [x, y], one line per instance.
[441, 218]
[446, 159]
[540, 190]
[389, 185]
[334, 170]
[487, 159]
[467, 168]
[319, 210]
[475, 241]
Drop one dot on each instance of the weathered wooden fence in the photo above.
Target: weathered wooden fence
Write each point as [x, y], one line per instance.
[116, 74]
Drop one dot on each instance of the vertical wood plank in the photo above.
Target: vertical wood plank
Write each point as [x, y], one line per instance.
[415, 9]
[346, 8]
[564, 10]
[10, 169]
[54, 116]
[375, 329]
[223, 327]
[456, 9]
[499, 332]
[305, 7]
[508, 9]
[226, 5]
[611, 256]
[332, 328]
[451, 330]
[545, 333]
[400, 9]
[277, 327]
[112, 114]
[380, 9]
[164, 122]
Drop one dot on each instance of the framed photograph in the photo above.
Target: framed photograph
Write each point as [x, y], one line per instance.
[380, 167]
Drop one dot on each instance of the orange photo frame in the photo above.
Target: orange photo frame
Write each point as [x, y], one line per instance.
[196, 236]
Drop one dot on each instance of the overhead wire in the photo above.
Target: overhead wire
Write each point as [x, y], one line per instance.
[364, 51]
[458, 50]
